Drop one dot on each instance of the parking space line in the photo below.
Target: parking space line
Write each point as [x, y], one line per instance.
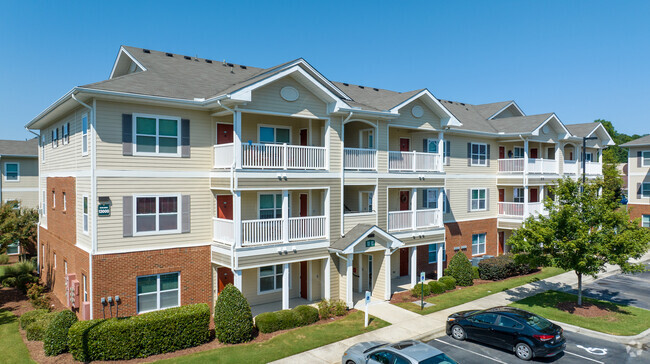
[584, 357]
[473, 352]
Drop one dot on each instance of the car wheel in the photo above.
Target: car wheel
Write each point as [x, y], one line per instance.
[458, 333]
[523, 351]
[350, 362]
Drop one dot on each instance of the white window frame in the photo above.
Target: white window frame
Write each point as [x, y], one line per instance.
[66, 133]
[17, 172]
[434, 142]
[84, 282]
[275, 275]
[55, 137]
[275, 134]
[157, 214]
[478, 203]
[158, 291]
[275, 207]
[478, 155]
[431, 192]
[444, 252]
[44, 203]
[645, 158]
[370, 133]
[645, 221]
[478, 244]
[518, 195]
[645, 189]
[65, 267]
[65, 202]
[364, 207]
[85, 209]
[54, 258]
[53, 200]
[17, 244]
[157, 136]
[589, 157]
[84, 134]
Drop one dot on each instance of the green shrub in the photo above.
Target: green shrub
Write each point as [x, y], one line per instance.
[475, 273]
[501, 267]
[449, 282]
[339, 307]
[324, 309]
[233, 319]
[461, 269]
[420, 289]
[4, 259]
[17, 269]
[31, 316]
[140, 336]
[267, 322]
[55, 341]
[37, 297]
[437, 287]
[288, 319]
[9, 282]
[308, 314]
[36, 329]
[24, 280]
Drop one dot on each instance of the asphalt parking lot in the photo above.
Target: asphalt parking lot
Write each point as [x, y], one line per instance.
[626, 289]
[580, 349]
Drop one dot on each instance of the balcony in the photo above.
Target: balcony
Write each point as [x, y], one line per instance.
[537, 165]
[270, 231]
[271, 156]
[362, 159]
[517, 209]
[571, 167]
[414, 220]
[414, 162]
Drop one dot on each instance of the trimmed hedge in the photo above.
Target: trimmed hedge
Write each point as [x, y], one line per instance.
[308, 314]
[31, 316]
[501, 267]
[437, 287]
[461, 269]
[35, 331]
[233, 320]
[449, 282]
[286, 319]
[55, 341]
[140, 336]
[420, 289]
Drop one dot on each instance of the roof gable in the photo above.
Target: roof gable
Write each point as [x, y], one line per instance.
[446, 117]
[347, 243]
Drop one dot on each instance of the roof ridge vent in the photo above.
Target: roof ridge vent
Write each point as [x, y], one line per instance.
[187, 57]
[146, 51]
[208, 61]
[346, 84]
[361, 87]
[169, 54]
[376, 89]
[243, 67]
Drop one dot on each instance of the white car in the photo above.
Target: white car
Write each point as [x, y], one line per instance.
[403, 352]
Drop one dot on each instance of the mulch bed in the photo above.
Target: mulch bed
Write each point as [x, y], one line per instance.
[587, 309]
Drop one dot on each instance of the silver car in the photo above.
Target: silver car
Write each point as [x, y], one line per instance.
[403, 352]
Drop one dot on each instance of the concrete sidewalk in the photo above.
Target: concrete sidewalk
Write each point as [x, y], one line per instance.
[408, 325]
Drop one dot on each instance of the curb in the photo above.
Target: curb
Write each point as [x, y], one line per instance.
[439, 332]
[635, 341]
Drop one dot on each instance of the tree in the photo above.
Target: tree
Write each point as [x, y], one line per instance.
[615, 152]
[582, 232]
[18, 225]
[233, 320]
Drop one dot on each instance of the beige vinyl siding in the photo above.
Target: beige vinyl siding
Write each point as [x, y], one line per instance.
[272, 182]
[379, 286]
[221, 259]
[83, 188]
[250, 283]
[110, 229]
[268, 98]
[220, 183]
[315, 279]
[508, 179]
[251, 123]
[66, 157]
[342, 278]
[458, 191]
[335, 283]
[244, 262]
[637, 175]
[352, 220]
[428, 182]
[382, 204]
[458, 158]
[336, 144]
[335, 211]
[25, 189]
[382, 146]
[352, 196]
[428, 121]
[109, 145]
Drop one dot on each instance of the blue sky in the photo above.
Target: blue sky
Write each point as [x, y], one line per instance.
[583, 60]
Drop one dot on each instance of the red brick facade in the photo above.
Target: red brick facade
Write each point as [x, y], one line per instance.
[116, 274]
[636, 211]
[459, 234]
[430, 269]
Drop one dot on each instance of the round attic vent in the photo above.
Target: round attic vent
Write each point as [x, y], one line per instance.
[545, 129]
[289, 93]
[417, 111]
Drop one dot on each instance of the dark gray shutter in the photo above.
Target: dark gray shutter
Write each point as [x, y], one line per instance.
[127, 216]
[469, 154]
[424, 198]
[447, 152]
[425, 145]
[639, 190]
[469, 200]
[488, 155]
[185, 211]
[185, 138]
[447, 206]
[127, 134]
[487, 199]
[639, 159]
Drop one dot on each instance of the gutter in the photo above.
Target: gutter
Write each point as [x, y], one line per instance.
[386, 114]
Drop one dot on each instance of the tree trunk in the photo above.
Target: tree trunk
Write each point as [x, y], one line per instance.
[579, 289]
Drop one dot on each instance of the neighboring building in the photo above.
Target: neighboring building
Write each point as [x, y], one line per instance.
[179, 175]
[638, 179]
[19, 172]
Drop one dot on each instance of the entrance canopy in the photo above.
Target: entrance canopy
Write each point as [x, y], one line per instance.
[364, 237]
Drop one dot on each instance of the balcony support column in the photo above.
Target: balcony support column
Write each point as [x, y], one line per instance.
[360, 273]
[236, 219]
[441, 203]
[441, 151]
[439, 259]
[326, 278]
[414, 207]
[285, 286]
[236, 120]
[389, 288]
[237, 279]
[349, 298]
[557, 158]
[526, 198]
[285, 216]
[414, 265]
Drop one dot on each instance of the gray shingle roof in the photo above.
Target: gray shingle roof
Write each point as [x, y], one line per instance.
[519, 124]
[350, 237]
[488, 110]
[638, 142]
[375, 98]
[19, 147]
[581, 130]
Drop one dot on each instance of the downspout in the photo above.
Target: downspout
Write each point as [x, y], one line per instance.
[93, 194]
[232, 186]
[339, 255]
[343, 172]
[38, 229]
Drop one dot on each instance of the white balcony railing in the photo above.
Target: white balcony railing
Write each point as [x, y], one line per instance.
[360, 158]
[403, 220]
[593, 168]
[268, 231]
[511, 165]
[539, 165]
[570, 167]
[413, 161]
[282, 156]
[306, 228]
[262, 231]
[223, 230]
[224, 155]
[516, 209]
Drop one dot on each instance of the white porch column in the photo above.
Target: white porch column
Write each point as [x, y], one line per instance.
[237, 279]
[525, 178]
[414, 207]
[441, 204]
[526, 196]
[525, 157]
[236, 218]
[236, 120]
[389, 288]
[557, 158]
[359, 271]
[326, 279]
[349, 296]
[439, 261]
[441, 152]
[414, 266]
[285, 216]
[285, 286]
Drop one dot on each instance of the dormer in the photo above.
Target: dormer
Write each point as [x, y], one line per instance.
[125, 64]
[510, 110]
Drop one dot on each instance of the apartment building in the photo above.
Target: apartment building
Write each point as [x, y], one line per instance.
[179, 175]
[638, 179]
[19, 172]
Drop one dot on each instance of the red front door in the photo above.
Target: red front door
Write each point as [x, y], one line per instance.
[225, 276]
[502, 152]
[303, 205]
[404, 197]
[303, 280]
[404, 144]
[502, 242]
[224, 207]
[303, 136]
[404, 261]
[534, 193]
[502, 195]
[533, 153]
[224, 133]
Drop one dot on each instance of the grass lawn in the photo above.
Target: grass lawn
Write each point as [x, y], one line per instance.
[12, 347]
[467, 294]
[287, 344]
[624, 320]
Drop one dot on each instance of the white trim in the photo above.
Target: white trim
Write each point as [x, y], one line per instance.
[479, 244]
[553, 116]
[157, 153]
[471, 155]
[157, 196]
[451, 120]
[17, 244]
[275, 275]
[505, 107]
[643, 159]
[87, 134]
[17, 172]
[274, 127]
[471, 199]
[117, 59]
[158, 291]
[393, 241]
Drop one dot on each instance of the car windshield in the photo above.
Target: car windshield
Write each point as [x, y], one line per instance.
[537, 322]
[439, 359]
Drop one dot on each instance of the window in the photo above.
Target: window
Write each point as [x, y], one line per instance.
[84, 282]
[84, 134]
[65, 267]
[157, 135]
[433, 253]
[646, 159]
[365, 201]
[55, 137]
[478, 244]
[367, 138]
[54, 258]
[589, 157]
[15, 203]
[53, 200]
[270, 278]
[13, 248]
[274, 135]
[485, 318]
[270, 206]
[479, 154]
[12, 172]
[66, 133]
[430, 198]
[156, 214]
[432, 146]
[478, 199]
[518, 195]
[158, 291]
[645, 221]
[645, 189]
[509, 323]
[85, 214]
[447, 148]
[519, 152]
[65, 202]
